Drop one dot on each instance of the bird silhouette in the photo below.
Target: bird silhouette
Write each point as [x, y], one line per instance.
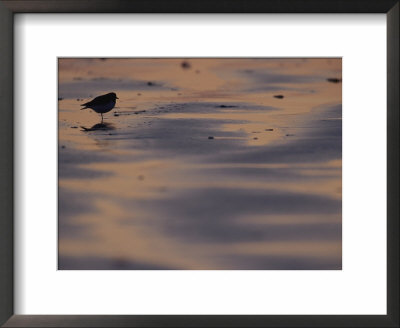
[102, 104]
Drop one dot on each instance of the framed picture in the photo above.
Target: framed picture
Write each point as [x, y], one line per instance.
[212, 164]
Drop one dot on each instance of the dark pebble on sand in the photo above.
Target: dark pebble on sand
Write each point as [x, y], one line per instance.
[289, 135]
[185, 65]
[255, 138]
[210, 137]
[74, 127]
[226, 106]
[269, 129]
[279, 96]
[334, 80]
[150, 84]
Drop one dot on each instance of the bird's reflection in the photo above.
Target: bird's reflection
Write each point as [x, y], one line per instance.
[100, 127]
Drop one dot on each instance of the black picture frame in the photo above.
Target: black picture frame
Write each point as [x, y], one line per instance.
[10, 7]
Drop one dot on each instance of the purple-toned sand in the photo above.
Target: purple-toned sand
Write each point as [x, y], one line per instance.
[200, 165]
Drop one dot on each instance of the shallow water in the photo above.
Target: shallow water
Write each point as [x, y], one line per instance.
[199, 166]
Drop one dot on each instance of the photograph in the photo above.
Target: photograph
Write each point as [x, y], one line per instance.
[199, 163]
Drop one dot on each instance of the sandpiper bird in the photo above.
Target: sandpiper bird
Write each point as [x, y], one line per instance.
[102, 104]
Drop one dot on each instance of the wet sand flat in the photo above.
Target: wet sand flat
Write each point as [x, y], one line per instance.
[203, 164]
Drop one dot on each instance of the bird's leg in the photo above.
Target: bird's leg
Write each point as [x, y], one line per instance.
[101, 117]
